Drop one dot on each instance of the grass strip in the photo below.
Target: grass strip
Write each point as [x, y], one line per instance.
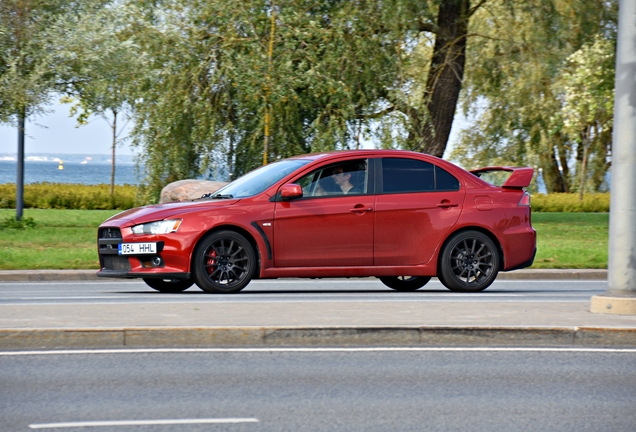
[66, 239]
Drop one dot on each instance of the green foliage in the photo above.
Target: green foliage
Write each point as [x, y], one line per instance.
[70, 196]
[562, 202]
[13, 223]
[320, 75]
[34, 56]
[540, 89]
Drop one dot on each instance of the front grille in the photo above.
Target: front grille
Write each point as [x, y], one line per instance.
[107, 241]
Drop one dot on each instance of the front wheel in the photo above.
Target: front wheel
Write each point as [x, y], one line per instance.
[169, 285]
[405, 283]
[224, 262]
[469, 261]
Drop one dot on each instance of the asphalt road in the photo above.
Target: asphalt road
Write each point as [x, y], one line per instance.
[295, 290]
[320, 390]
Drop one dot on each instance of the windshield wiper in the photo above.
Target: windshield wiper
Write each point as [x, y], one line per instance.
[217, 196]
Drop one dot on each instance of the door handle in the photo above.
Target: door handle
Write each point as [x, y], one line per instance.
[360, 209]
[447, 204]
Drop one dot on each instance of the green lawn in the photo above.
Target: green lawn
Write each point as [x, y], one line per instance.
[66, 239]
[571, 240]
[62, 239]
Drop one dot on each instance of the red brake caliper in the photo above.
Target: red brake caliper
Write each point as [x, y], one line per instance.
[211, 261]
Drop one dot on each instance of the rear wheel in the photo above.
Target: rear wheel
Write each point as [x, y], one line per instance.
[224, 262]
[169, 285]
[405, 283]
[469, 261]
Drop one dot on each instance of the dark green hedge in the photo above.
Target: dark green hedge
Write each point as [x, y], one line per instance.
[70, 196]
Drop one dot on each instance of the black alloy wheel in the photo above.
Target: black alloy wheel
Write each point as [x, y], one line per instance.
[405, 283]
[223, 262]
[469, 262]
[169, 285]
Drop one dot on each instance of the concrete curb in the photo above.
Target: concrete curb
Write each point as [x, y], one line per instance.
[423, 336]
[85, 275]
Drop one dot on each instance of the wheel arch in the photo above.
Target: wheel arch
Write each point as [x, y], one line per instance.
[480, 229]
[239, 230]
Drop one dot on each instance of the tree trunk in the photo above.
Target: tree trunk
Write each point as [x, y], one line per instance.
[446, 74]
[586, 144]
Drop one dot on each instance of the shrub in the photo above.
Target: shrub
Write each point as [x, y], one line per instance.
[70, 196]
[563, 202]
[13, 223]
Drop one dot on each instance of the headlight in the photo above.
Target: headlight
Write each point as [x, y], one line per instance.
[159, 227]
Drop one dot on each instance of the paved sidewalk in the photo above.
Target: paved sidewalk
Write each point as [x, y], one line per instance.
[442, 322]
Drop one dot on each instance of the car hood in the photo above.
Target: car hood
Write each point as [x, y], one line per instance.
[156, 212]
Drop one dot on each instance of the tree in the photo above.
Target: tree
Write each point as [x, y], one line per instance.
[26, 77]
[514, 89]
[586, 86]
[32, 64]
[105, 55]
[307, 70]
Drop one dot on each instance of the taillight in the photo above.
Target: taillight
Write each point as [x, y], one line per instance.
[525, 199]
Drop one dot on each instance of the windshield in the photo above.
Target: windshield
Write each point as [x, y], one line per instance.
[260, 179]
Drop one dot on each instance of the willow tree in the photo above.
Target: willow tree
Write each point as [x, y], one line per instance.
[222, 71]
[515, 81]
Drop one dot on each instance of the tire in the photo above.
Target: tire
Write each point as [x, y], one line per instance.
[223, 262]
[169, 285]
[405, 283]
[469, 262]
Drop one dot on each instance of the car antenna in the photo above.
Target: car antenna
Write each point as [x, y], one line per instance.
[418, 145]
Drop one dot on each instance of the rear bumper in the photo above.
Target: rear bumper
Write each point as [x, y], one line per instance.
[524, 264]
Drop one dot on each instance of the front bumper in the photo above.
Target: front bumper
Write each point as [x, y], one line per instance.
[165, 264]
[145, 275]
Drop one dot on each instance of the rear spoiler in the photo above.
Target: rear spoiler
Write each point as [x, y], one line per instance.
[520, 177]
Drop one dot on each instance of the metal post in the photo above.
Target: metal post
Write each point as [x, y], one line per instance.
[620, 297]
[19, 194]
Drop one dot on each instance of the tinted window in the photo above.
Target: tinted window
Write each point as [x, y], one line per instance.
[407, 175]
[445, 181]
[411, 175]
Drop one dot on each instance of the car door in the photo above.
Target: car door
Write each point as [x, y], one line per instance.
[326, 227]
[416, 206]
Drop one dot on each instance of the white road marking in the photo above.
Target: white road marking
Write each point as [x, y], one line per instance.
[140, 422]
[74, 298]
[318, 350]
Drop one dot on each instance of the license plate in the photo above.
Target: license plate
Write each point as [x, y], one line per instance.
[136, 248]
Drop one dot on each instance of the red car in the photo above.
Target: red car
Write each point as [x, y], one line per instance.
[403, 217]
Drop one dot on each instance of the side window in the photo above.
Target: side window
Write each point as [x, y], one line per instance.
[407, 175]
[411, 175]
[345, 178]
[445, 181]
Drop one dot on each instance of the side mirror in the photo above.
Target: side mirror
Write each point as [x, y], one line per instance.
[291, 191]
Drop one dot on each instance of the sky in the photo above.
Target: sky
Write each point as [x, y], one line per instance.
[56, 133]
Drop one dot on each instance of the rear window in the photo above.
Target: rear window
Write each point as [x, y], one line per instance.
[412, 175]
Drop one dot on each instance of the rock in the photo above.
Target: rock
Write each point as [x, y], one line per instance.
[184, 190]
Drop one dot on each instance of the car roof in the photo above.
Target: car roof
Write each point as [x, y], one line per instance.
[360, 152]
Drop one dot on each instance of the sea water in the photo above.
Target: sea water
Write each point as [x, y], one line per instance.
[73, 172]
